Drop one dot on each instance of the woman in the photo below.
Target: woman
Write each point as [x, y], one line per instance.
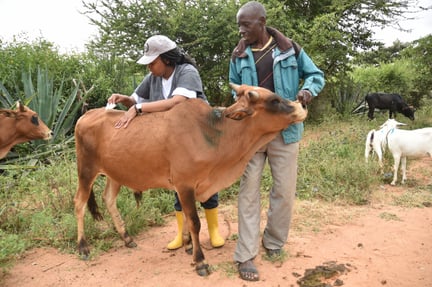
[173, 79]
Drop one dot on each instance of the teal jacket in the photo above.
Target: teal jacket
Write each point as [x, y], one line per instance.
[291, 65]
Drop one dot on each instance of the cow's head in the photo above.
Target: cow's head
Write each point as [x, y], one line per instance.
[408, 111]
[29, 125]
[252, 100]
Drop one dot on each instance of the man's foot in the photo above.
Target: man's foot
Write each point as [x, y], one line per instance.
[272, 252]
[248, 271]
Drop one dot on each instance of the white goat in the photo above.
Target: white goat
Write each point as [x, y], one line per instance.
[406, 143]
[376, 143]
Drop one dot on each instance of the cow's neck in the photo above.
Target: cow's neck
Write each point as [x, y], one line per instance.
[8, 137]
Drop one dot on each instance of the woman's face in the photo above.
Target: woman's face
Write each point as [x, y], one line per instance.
[157, 67]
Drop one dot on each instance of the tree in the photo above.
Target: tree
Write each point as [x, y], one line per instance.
[331, 31]
[420, 52]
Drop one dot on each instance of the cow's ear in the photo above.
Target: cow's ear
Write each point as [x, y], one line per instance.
[253, 96]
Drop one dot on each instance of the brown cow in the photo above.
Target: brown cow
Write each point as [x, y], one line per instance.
[19, 126]
[193, 149]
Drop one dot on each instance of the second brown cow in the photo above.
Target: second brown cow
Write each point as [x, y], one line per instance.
[19, 126]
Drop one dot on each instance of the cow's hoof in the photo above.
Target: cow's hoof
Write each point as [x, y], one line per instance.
[85, 257]
[203, 269]
[131, 244]
[83, 249]
[189, 248]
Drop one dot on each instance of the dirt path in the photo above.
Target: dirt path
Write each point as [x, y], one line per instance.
[380, 245]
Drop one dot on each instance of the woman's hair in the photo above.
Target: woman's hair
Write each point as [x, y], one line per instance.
[177, 56]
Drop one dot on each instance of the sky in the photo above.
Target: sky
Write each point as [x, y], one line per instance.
[420, 27]
[60, 22]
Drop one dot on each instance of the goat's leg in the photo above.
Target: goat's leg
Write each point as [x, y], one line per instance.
[112, 189]
[404, 159]
[396, 159]
[379, 154]
[368, 145]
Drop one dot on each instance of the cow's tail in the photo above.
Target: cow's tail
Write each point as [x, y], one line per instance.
[93, 207]
[138, 197]
[369, 144]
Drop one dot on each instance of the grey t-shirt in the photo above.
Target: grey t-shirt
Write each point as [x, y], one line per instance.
[185, 76]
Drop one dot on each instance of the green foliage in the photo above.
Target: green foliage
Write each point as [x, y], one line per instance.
[397, 77]
[381, 54]
[332, 32]
[420, 53]
[20, 55]
[346, 96]
[58, 113]
[11, 245]
[332, 168]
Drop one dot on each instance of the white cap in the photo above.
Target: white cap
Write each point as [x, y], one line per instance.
[154, 46]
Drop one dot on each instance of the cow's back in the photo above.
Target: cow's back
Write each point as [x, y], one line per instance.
[156, 145]
[380, 100]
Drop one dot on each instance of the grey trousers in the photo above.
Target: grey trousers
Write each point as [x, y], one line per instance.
[282, 159]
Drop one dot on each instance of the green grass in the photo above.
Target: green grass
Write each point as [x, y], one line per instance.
[36, 205]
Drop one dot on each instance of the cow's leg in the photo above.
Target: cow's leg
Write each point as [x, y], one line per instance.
[112, 189]
[396, 159]
[187, 200]
[186, 237]
[81, 198]
[371, 112]
[403, 163]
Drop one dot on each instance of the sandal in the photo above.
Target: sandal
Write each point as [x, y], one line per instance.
[248, 271]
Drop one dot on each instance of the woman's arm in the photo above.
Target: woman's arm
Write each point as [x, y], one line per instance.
[157, 106]
[128, 101]
[160, 106]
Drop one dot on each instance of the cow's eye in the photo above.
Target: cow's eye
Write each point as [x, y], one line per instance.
[275, 101]
[35, 120]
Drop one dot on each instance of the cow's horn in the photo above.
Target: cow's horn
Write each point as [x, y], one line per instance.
[253, 96]
[233, 86]
[20, 106]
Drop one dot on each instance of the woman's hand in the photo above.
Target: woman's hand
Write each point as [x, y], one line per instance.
[126, 118]
[117, 98]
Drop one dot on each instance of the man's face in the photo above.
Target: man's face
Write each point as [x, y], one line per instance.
[250, 26]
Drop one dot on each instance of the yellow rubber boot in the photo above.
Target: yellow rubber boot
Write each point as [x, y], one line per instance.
[213, 227]
[178, 240]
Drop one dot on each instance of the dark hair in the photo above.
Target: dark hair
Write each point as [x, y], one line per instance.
[177, 56]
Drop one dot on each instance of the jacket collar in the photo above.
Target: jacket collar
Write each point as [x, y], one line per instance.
[283, 43]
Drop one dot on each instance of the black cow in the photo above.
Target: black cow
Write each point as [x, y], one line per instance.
[392, 102]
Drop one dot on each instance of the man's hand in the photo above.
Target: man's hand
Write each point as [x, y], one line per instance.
[305, 97]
